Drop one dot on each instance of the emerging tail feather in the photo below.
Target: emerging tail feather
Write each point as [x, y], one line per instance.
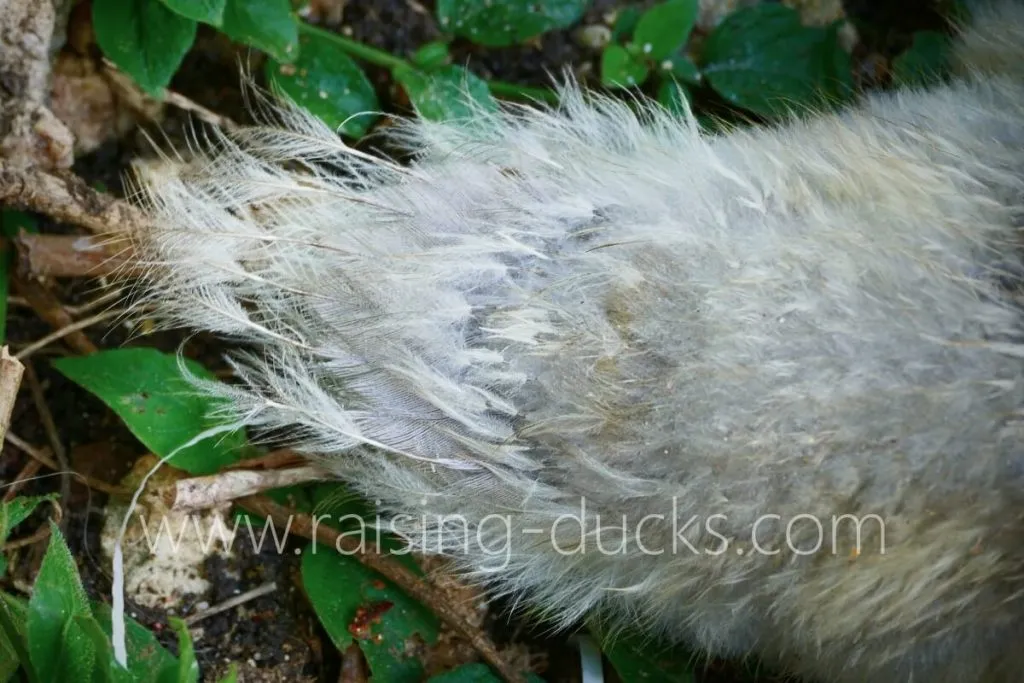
[641, 365]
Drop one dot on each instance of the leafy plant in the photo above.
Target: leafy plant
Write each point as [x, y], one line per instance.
[355, 604]
[328, 83]
[497, 24]
[764, 60]
[636, 658]
[13, 513]
[58, 635]
[924, 61]
[761, 59]
[148, 39]
[148, 392]
[653, 43]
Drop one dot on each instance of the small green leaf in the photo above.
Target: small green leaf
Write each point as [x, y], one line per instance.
[451, 92]
[506, 22]
[76, 660]
[268, 25]
[231, 676]
[147, 659]
[143, 38]
[637, 658]
[57, 596]
[13, 651]
[674, 96]
[356, 604]
[681, 67]
[106, 670]
[619, 69]
[148, 392]
[625, 22]
[475, 673]
[206, 11]
[763, 59]
[665, 28]
[14, 512]
[924, 61]
[431, 55]
[188, 668]
[329, 84]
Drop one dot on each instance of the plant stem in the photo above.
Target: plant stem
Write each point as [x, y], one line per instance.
[357, 49]
[390, 61]
[522, 92]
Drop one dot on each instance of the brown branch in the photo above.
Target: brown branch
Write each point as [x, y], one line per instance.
[65, 197]
[417, 588]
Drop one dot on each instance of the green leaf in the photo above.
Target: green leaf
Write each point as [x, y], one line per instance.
[232, 675]
[431, 55]
[15, 512]
[147, 659]
[637, 658]
[674, 96]
[206, 11]
[11, 223]
[665, 28]
[57, 596]
[13, 652]
[451, 92]
[763, 59]
[924, 61]
[475, 673]
[188, 668]
[143, 38]
[326, 81]
[681, 67]
[76, 660]
[106, 670]
[265, 24]
[356, 604]
[620, 69]
[148, 392]
[625, 22]
[498, 23]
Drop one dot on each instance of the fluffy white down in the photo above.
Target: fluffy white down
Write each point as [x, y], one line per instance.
[586, 302]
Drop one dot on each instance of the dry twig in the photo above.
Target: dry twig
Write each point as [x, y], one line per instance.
[48, 307]
[11, 371]
[67, 330]
[50, 427]
[200, 493]
[231, 603]
[43, 457]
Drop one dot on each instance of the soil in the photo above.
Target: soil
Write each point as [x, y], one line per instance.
[277, 637]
